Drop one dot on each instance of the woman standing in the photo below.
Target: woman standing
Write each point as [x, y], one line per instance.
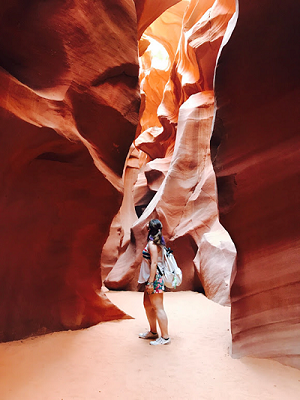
[151, 273]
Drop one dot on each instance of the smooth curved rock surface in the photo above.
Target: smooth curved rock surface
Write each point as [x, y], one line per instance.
[186, 200]
[255, 147]
[216, 249]
[149, 10]
[152, 140]
[69, 108]
[69, 105]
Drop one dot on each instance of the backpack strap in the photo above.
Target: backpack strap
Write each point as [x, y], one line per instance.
[159, 270]
[164, 249]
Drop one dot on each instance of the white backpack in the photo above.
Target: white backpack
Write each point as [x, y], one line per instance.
[172, 273]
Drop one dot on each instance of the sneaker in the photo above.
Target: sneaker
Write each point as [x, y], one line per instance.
[148, 335]
[160, 340]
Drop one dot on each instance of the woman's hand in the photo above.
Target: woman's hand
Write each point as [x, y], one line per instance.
[149, 288]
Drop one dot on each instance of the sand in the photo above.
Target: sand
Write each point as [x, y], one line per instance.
[109, 361]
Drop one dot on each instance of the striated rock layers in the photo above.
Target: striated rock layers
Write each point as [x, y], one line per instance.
[70, 120]
[255, 147]
[69, 105]
[181, 176]
[64, 65]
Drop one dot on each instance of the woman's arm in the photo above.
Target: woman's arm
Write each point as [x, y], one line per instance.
[153, 250]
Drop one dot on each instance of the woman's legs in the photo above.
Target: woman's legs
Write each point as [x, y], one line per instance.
[150, 312]
[156, 301]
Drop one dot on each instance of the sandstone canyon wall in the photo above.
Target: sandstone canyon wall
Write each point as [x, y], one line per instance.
[83, 165]
[69, 106]
[255, 148]
[179, 179]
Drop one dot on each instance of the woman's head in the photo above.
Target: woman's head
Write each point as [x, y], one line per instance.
[155, 231]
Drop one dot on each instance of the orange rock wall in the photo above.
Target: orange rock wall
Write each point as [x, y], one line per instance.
[70, 120]
[185, 200]
[69, 106]
[149, 10]
[137, 192]
[255, 147]
[64, 140]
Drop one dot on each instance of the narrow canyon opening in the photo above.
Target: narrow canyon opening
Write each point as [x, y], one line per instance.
[113, 113]
[168, 173]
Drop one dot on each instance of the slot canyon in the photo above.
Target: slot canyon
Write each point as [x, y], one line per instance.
[115, 112]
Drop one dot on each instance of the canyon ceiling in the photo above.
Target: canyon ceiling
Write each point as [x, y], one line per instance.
[113, 113]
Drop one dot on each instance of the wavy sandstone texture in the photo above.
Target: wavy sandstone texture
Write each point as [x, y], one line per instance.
[83, 163]
[255, 147]
[148, 10]
[137, 192]
[181, 176]
[69, 105]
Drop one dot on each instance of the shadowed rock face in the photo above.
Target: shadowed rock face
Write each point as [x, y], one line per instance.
[69, 105]
[69, 99]
[52, 203]
[69, 108]
[255, 147]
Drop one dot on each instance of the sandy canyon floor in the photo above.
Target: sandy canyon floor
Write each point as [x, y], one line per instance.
[108, 361]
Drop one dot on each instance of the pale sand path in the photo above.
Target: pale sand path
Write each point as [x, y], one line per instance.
[108, 361]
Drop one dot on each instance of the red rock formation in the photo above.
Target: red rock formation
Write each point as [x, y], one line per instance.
[256, 157]
[152, 83]
[69, 100]
[186, 201]
[148, 10]
[69, 104]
